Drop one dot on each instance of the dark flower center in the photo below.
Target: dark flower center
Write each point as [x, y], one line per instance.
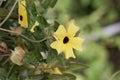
[21, 17]
[65, 40]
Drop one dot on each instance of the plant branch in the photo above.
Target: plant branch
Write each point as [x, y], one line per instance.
[10, 71]
[34, 41]
[23, 36]
[115, 74]
[9, 13]
[5, 55]
[5, 61]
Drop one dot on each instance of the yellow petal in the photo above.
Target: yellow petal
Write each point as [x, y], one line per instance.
[76, 43]
[68, 52]
[60, 33]
[22, 13]
[35, 24]
[72, 29]
[55, 71]
[58, 46]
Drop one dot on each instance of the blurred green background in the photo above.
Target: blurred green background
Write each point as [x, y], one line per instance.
[99, 22]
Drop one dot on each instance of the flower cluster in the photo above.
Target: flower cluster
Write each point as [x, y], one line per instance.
[30, 48]
[66, 40]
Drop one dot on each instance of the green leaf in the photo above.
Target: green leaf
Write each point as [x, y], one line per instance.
[52, 3]
[38, 7]
[61, 77]
[45, 3]
[74, 64]
[55, 26]
[48, 3]
[51, 56]
[32, 57]
[4, 12]
[36, 77]
[42, 21]
[2, 73]
[115, 76]
[31, 13]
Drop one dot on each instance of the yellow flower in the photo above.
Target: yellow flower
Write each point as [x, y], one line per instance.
[23, 19]
[35, 24]
[49, 70]
[46, 68]
[66, 40]
[55, 71]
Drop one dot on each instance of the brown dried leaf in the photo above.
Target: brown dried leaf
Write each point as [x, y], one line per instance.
[3, 45]
[17, 30]
[17, 56]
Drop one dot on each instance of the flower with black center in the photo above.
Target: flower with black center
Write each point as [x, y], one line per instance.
[66, 40]
[22, 19]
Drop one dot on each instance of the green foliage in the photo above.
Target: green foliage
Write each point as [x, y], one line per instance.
[61, 77]
[2, 73]
[35, 44]
[91, 64]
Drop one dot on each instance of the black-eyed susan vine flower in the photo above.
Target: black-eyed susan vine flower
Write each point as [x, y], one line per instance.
[23, 18]
[66, 40]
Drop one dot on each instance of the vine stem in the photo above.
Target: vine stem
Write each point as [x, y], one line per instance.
[115, 74]
[23, 36]
[5, 61]
[9, 71]
[5, 55]
[34, 41]
[9, 13]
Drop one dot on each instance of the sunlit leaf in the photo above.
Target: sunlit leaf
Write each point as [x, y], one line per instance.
[74, 64]
[61, 77]
[2, 73]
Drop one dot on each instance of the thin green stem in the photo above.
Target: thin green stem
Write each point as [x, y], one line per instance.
[34, 41]
[5, 61]
[115, 74]
[9, 14]
[23, 36]
[5, 30]
[10, 71]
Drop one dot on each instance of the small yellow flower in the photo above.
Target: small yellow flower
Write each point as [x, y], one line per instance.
[46, 68]
[66, 40]
[55, 71]
[33, 27]
[23, 19]
[49, 70]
